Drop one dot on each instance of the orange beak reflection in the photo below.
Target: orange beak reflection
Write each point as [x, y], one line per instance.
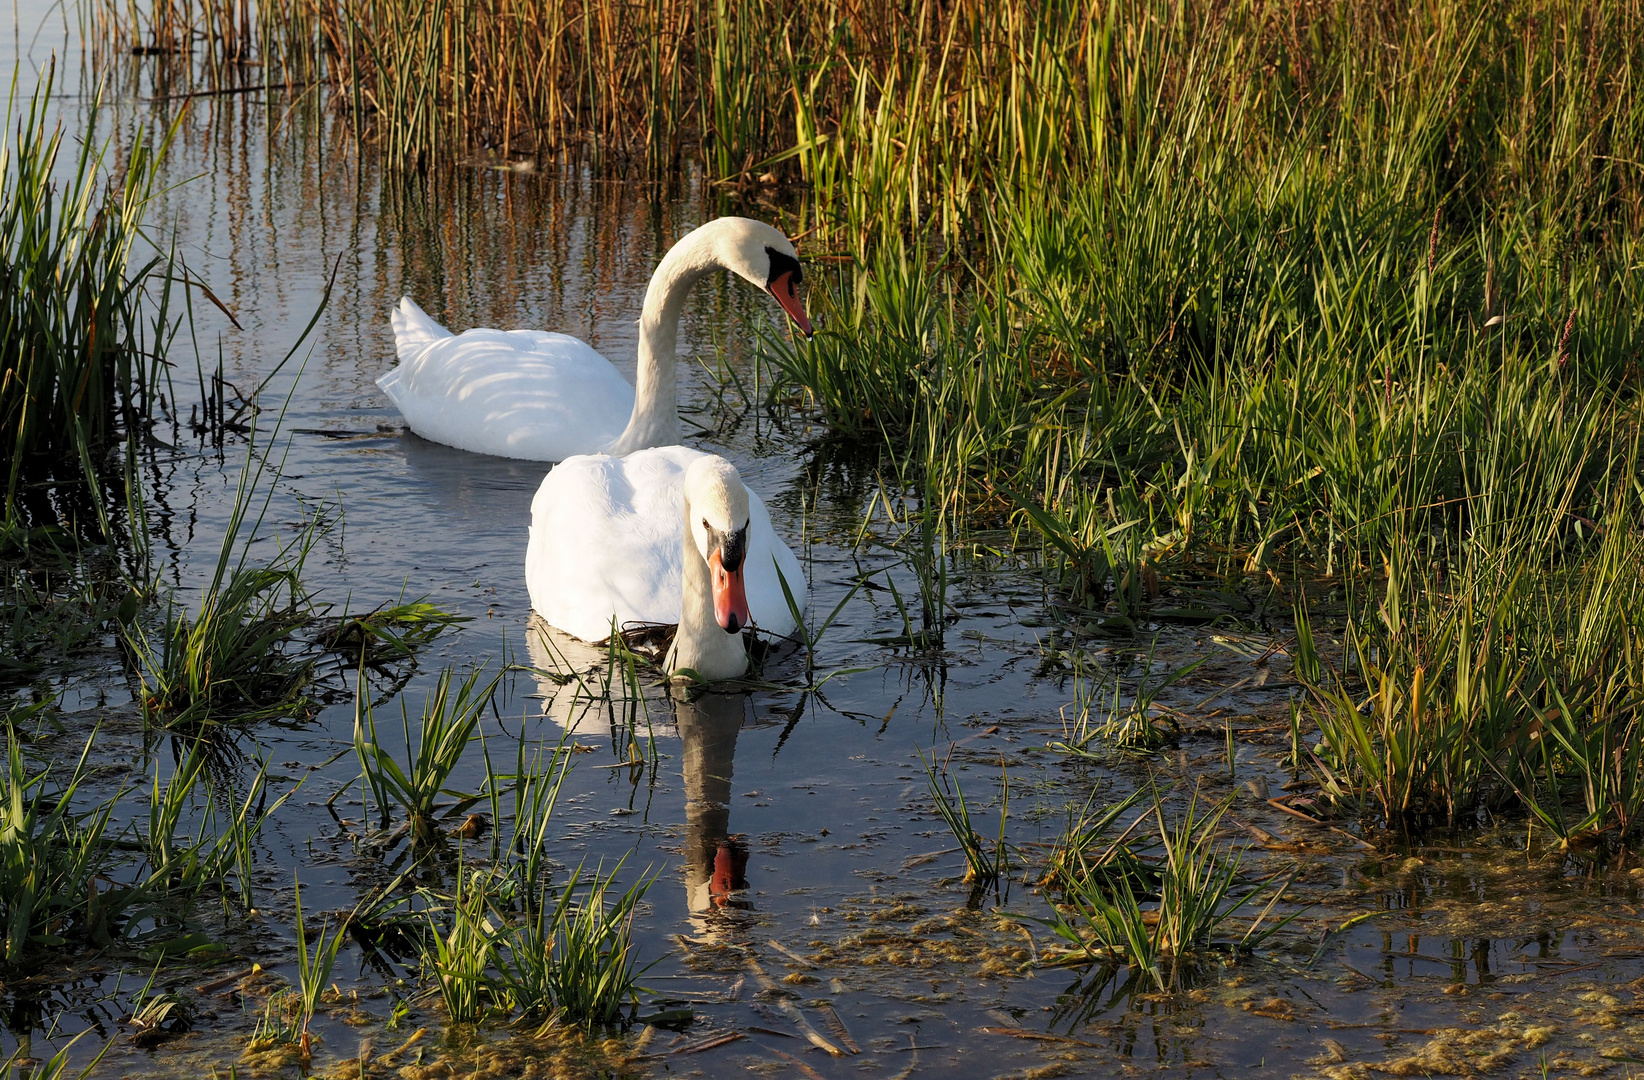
[730, 598]
[788, 296]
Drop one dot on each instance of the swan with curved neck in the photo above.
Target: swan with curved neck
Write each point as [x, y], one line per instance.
[544, 396]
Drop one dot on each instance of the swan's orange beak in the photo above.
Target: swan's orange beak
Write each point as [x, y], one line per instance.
[730, 598]
[787, 294]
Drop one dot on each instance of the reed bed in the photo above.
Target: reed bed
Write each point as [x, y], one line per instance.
[901, 119]
[82, 324]
[1348, 316]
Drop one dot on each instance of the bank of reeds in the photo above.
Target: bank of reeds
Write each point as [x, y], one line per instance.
[82, 329]
[897, 116]
[1313, 317]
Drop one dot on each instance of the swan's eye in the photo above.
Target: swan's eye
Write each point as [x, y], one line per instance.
[705, 526]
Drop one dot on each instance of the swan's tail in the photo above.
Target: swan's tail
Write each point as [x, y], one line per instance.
[413, 329]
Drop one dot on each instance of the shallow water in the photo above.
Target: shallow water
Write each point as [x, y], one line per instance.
[799, 862]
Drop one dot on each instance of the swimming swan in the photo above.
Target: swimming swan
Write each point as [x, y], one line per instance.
[605, 542]
[544, 397]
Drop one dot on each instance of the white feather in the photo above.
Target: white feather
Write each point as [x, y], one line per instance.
[607, 541]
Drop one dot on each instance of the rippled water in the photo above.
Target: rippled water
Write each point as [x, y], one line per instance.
[791, 831]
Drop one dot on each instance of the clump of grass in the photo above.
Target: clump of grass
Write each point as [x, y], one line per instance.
[55, 860]
[155, 1017]
[985, 861]
[237, 656]
[388, 631]
[219, 856]
[85, 329]
[577, 958]
[1485, 693]
[313, 968]
[1102, 710]
[1088, 850]
[464, 940]
[1156, 916]
[289, 1011]
[450, 716]
[507, 942]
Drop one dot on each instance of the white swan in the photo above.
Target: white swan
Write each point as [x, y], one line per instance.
[544, 397]
[605, 542]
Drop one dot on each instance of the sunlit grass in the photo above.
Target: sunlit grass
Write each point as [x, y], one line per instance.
[1155, 914]
[84, 320]
[450, 718]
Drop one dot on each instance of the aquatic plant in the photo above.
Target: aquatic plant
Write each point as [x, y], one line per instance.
[388, 631]
[464, 945]
[450, 716]
[237, 656]
[155, 1017]
[313, 967]
[81, 355]
[1102, 710]
[1088, 851]
[56, 1067]
[54, 860]
[985, 862]
[219, 856]
[536, 790]
[577, 957]
[1154, 919]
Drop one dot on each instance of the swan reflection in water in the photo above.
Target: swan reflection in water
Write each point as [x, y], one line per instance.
[707, 725]
[716, 861]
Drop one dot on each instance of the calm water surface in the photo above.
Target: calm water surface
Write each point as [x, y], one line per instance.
[791, 833]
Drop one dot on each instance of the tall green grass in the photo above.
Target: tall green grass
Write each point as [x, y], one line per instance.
[1338, 301]
[82, 329]
[907, 118]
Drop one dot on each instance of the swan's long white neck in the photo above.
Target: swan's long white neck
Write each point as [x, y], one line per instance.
[655, 420]
[700, 642]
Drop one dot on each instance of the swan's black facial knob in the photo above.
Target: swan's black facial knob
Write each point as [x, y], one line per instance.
[726, 552]
[783, 284]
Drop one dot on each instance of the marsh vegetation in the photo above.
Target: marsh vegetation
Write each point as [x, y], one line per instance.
[1218, 471]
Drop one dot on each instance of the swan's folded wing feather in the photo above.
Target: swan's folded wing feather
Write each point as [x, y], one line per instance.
[606, 541]
[513, 393]
[607, 538]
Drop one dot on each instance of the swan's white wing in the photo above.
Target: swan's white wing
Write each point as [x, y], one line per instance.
[607, 538]
[513, 393]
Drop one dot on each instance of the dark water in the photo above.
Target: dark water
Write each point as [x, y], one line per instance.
[791, 831]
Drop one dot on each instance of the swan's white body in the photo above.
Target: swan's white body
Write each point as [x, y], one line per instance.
[605, 543]
[513, 393]
[544, 397]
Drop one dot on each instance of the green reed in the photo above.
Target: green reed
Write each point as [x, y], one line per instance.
[985, 862]
[1302, 321]
[450, 717]
[577, 957]
[82, 329]
[75, 875]
[52, 856]
[1155, 914]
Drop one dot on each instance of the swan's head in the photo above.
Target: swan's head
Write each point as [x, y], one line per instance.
[718, 504]
[764, 258]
